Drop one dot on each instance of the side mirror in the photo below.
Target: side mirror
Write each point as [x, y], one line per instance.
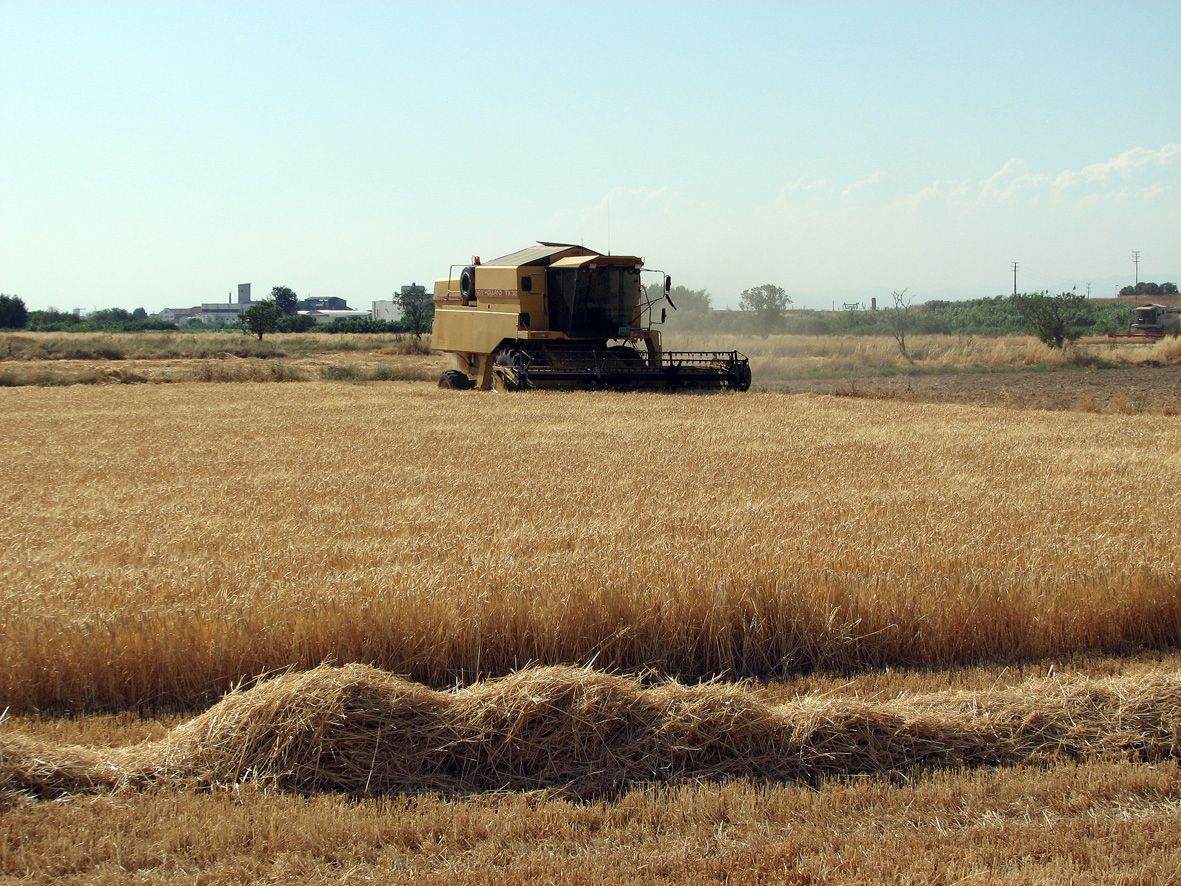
[668, 284]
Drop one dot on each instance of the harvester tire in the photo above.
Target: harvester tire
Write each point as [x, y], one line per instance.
[741, 381]
[456, 380]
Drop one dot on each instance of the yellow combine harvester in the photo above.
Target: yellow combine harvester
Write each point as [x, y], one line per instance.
[556, 315]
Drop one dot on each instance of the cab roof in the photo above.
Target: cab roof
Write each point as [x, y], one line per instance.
[566, 255]
[541, 254]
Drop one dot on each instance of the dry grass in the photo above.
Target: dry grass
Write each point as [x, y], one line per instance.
[63, 359]
[24, 346]
[360, 366]
[1084, 824]
[362, 731]
[60, 359]
[778, 358]
[160, 543]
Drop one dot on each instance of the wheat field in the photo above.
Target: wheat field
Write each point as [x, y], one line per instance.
[161, 544]
[903, 573]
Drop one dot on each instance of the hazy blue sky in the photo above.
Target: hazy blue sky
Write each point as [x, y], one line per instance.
[159, 153]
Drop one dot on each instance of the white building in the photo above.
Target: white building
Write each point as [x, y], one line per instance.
[221, 313]
[179, 316]
[225, 313]
[388, 311]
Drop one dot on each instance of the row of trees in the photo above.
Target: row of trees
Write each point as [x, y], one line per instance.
[1150, 289]
[765, 310]
[14, 315]
[279, 313]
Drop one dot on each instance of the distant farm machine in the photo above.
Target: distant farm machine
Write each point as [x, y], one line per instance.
[1152, 322]
[561, 316]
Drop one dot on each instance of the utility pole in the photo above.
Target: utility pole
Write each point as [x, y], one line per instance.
[1088, 290]
[1136, 262]
[1014, 277]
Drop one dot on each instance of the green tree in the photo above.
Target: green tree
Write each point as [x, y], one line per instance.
[1054, 319]
[285, 299]
[418, 309]
[139, 314]
[13, 314]
[261, 317]
[767, 302]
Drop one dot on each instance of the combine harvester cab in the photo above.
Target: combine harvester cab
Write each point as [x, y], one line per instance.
[561, 316]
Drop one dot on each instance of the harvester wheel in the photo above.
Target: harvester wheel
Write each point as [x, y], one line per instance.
[741, 381]
[455, 380]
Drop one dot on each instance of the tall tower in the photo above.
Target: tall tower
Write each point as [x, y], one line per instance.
[243, 293]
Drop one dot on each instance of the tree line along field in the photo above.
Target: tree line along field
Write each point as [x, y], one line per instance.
[160, 544]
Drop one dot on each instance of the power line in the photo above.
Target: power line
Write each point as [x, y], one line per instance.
[1136, 262]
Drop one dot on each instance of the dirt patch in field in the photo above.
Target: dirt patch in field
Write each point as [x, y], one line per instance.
[1153, 389]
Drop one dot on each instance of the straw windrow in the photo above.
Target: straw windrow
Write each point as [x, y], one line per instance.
[363, 731]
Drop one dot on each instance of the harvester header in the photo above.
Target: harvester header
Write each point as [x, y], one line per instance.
[556, 315]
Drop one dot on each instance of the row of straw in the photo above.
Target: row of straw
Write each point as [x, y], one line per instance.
[363, 731]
